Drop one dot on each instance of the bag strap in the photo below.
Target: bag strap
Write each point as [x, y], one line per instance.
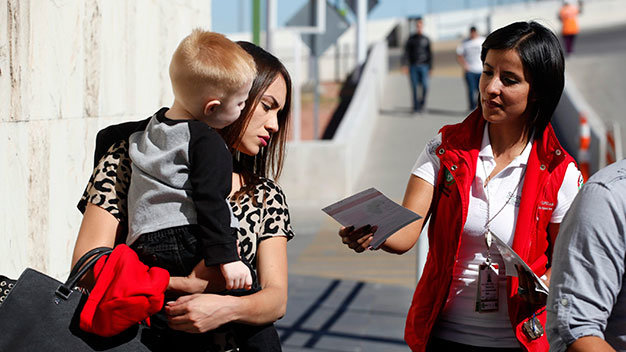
[86, 256]
[65, 290]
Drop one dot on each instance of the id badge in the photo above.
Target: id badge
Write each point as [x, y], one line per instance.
[487, 292]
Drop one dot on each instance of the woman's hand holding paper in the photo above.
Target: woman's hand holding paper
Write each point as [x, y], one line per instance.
[359, 239]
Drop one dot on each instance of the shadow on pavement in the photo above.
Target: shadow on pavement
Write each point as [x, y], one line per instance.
[325, 313]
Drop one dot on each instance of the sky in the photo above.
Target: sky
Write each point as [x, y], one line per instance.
[231, 16]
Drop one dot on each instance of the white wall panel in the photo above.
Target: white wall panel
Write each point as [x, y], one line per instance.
[67, 69]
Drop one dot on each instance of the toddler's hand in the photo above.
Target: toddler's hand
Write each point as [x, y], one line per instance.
[201, 279]
[237, 275]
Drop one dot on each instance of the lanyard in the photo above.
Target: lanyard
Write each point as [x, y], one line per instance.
[488, 233]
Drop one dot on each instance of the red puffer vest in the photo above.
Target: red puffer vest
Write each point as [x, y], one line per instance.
[458, 154]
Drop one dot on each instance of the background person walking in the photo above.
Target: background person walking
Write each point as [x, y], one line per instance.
[568, 15]
[468, 56]
[419, 57]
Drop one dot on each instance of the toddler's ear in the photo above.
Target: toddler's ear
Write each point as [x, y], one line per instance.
[211, 106]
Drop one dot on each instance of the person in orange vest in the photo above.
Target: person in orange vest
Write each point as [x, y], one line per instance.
[500, 172]
[568, 15]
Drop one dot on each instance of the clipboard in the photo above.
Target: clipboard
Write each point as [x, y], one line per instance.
[512, 259]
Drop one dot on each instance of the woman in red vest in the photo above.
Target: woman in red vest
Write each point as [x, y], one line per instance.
[501, 172]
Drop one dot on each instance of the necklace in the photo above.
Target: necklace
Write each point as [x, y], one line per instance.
[488, 233]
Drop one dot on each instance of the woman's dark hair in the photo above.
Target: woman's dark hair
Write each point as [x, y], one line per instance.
[542, 58]
[269, 161]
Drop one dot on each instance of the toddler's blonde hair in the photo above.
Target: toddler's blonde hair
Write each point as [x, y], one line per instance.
[207, 65]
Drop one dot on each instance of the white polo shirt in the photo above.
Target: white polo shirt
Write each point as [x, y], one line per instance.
[470, 50]
[458, 321]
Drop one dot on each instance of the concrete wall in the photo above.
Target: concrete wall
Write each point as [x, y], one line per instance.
[67, 69]
[320, 172]
[567, 127]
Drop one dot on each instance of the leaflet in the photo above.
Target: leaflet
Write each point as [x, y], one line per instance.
[513, 260]
[371, 207]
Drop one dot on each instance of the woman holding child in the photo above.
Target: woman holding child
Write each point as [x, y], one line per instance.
[501, 172]
[257, 141]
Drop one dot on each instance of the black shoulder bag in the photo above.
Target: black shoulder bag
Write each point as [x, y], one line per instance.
[39, 313]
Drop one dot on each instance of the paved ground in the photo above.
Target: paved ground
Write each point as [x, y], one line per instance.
[343, 315]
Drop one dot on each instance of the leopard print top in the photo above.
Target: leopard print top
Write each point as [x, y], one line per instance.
[108, 189]
[108, 184]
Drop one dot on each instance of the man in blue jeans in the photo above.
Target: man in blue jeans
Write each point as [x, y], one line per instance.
[419, 57]
[468, 56]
